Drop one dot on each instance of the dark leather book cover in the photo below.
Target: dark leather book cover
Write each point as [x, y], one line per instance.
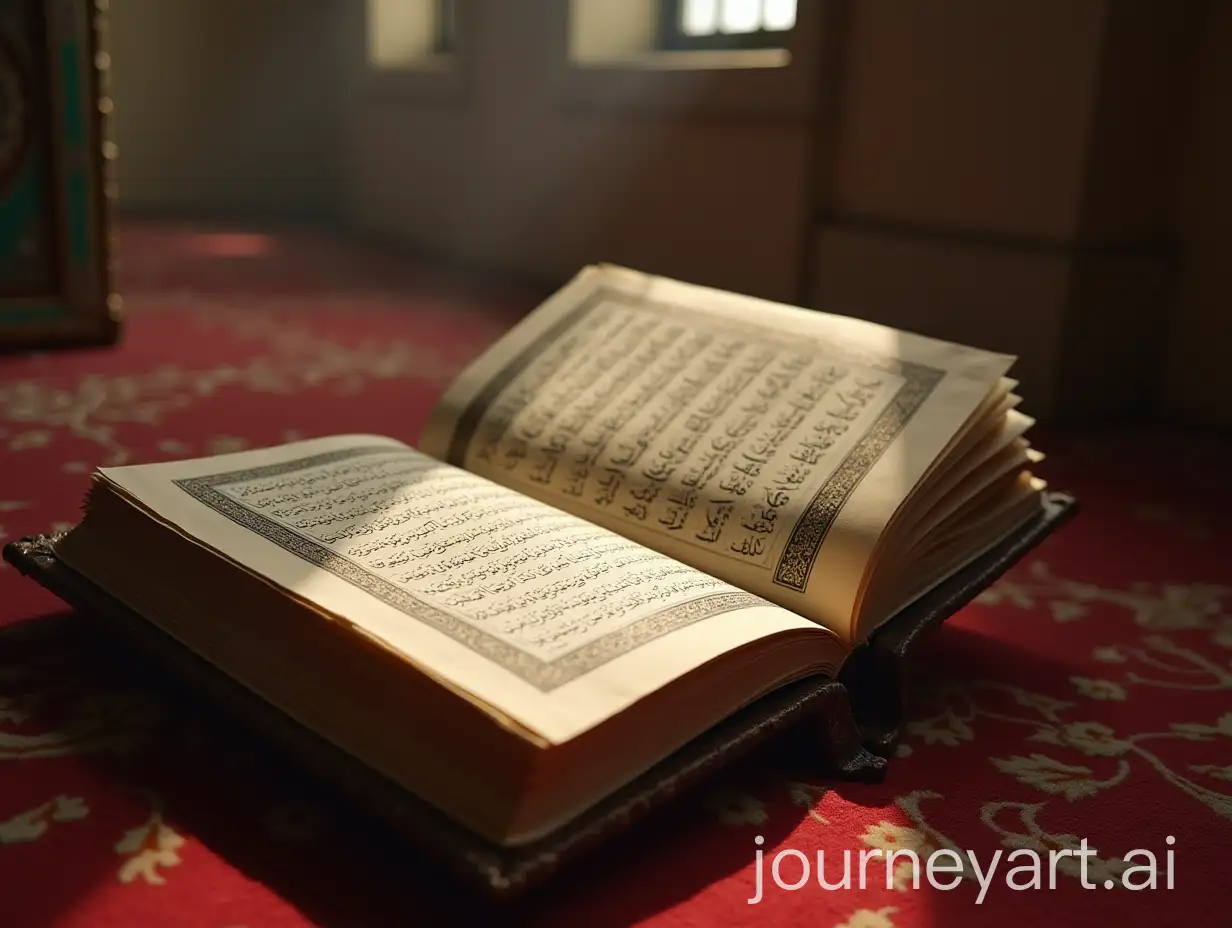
[875, 672]
[818, 712]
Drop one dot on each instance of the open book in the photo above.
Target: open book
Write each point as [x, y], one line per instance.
[645, 507]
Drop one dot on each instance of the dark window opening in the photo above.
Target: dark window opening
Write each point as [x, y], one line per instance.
[446, 39]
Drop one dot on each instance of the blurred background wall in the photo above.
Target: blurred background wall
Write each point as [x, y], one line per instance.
[1045, 177]
[1198, 374]
[227, 107]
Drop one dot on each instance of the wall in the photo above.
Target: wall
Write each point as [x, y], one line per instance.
[527, 166]
[1000, 174]
[1003, 173]
[1198, 377]
[988, 173]
[227, 106]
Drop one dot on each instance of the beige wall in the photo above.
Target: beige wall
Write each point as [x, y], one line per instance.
[956, 172]
[992, 173]
[524, 167]
[969, 116]
[226, 106]
[1198, 377]
[1001, 173]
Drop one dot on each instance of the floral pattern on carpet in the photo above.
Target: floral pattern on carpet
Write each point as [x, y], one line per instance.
[1087, 696]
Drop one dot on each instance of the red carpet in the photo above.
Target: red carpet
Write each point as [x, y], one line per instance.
[1088, 696]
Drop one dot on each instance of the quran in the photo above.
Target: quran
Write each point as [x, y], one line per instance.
[646, 510]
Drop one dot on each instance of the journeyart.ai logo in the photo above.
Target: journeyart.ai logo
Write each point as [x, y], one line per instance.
[946, 869]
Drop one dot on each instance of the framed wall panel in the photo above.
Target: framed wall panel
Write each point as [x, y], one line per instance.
[55, 269]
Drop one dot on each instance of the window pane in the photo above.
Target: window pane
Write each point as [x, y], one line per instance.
[740, 16]
[699, 17]
[778, 15]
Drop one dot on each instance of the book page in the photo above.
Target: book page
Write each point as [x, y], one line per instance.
[550, 620]
[764, 444]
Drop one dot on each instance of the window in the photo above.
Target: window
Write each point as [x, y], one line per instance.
[409, 33]
[704, 24]
[446, 32]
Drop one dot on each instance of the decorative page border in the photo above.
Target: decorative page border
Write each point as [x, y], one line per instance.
[543, 675]
[796, 561]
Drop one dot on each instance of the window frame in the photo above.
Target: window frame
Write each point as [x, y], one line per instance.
[672, 38]
[440, 76]
[445, 42]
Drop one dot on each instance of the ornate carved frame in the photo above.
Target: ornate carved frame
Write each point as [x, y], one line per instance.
[77, 304]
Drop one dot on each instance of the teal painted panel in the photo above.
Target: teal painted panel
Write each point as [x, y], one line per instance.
[28, 314]
[22, 202]
[74, 114]
[79, 218]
